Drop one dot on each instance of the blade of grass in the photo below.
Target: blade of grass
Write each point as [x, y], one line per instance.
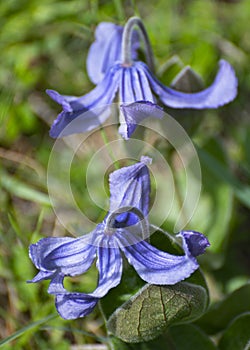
[75, 330]
[21, 331]
[20, 189]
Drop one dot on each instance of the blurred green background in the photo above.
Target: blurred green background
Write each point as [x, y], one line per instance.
[44, 44]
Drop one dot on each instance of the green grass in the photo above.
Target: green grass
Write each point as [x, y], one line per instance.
[43, 45]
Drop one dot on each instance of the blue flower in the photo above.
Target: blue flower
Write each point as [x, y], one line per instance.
[135, 83]
[120, 231]
[112, 65]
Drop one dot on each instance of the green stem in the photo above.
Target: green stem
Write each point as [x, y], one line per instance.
[110, 151]
[127, 42]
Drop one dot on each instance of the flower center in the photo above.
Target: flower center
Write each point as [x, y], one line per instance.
[127, 65]
[125, 217]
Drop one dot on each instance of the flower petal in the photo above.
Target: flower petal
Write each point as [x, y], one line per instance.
[130, 187]
[69, 256]
[126, 90]
[106, 50]
[223, 90]
[56, 284]
[158, 267]
[141, 85]
[78, 121]
[61, 100]
[87, 112]
[135, 113]
[42, 275]
[195, 241]
[109, 265]
[74, 305]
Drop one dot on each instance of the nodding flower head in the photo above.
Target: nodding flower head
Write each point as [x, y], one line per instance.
[124, 230]
[112, 64]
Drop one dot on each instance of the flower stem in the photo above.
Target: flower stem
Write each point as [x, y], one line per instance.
[110, 151]
[127, 42]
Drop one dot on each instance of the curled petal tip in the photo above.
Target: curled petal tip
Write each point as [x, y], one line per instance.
[222, 91]
[134, 113]
[196, 242]
[61, 100]
[146, 160]
[74, 305]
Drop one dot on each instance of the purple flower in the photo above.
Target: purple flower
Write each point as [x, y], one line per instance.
[112, 65]
[135, 83]
[119, 232]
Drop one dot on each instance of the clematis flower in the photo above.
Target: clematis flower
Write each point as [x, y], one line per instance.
[119, 233]
[133, 81]
[136, 83]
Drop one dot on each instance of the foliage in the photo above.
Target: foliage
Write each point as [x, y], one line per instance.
[44, 45]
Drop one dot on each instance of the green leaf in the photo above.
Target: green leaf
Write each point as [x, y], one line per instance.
[129, 285]
[131, 281]
[191, 338]
[237, 336]
[154, 308]
[222, 313]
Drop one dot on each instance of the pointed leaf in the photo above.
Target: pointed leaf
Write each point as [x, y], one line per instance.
[237, 336]
[187, 81]
[154, 308]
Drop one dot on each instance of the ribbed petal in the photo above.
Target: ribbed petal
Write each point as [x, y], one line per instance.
[135, 113]
[68, 256]
[79, 121]
[127, 92]
[134, 87]
[158, 267]
[106, 50]
[74, 305]
[109, 265]
[223, 90]
[39, 250]
[87, 112]
[141, 85]
[130, 187]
